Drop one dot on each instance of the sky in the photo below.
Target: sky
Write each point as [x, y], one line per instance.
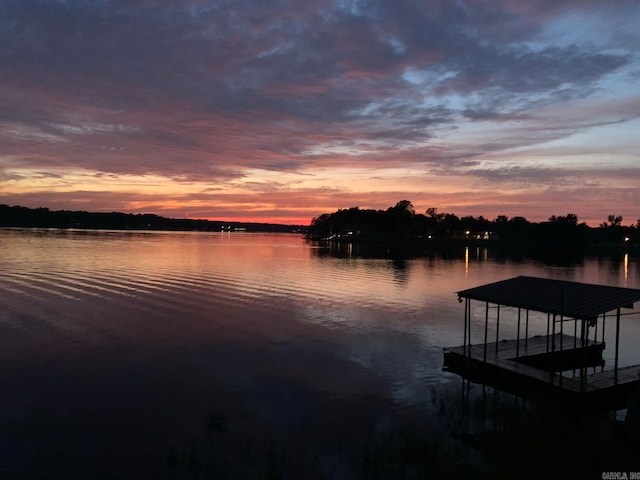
[280, 111]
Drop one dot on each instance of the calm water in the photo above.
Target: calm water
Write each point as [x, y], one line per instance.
[165, 355]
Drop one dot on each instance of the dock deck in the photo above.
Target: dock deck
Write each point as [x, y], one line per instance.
[527, 347]
[529, 366]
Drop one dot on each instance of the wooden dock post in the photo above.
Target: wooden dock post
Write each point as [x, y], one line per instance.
[486, 329]
[466, 320]
[615, 368]
[497, 328]
[518, 336]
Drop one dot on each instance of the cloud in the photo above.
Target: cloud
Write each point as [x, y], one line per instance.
[15, 132]
[217, 94]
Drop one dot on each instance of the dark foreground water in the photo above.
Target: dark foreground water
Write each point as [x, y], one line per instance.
[193, 355]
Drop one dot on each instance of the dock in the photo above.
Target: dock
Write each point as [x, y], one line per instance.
[555, 366]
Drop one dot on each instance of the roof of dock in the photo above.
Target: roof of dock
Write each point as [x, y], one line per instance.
[570, 299]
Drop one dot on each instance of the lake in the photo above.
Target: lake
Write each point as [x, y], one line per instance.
[235, 355]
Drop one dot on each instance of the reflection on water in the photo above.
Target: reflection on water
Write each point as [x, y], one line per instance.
[626, 268]
[538, 440]
[238, 354]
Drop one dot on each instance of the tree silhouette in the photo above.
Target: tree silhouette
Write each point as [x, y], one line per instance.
[401, 218]
[615, 220]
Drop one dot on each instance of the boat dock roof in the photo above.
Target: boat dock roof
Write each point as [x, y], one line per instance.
[570, 299]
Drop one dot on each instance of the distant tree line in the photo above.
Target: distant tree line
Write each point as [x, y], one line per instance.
[17, 216]
[402, 223]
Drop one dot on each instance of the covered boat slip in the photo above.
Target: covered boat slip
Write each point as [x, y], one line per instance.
[577, 315]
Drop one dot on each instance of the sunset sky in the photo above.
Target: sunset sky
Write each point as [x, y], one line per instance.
[280, 111]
